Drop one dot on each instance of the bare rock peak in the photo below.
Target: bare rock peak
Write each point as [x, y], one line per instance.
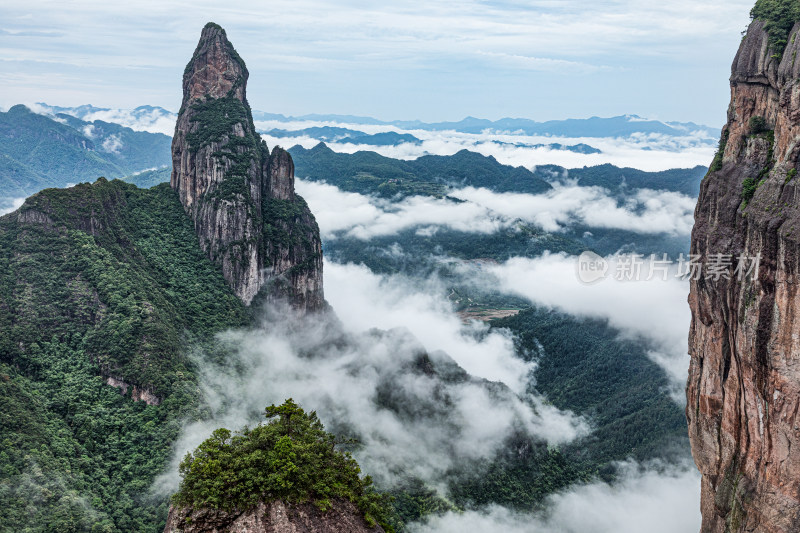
[216, 70]
[226, 179]
[281, 174]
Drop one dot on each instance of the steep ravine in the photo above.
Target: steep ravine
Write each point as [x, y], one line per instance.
[743, 391]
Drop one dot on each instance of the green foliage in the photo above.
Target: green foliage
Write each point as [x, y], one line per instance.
[749, 186]
[716, 164]
[76, 454]
[38, 152]
[122, 267]
[215, 119]
[149, 178]
[371, 173]
[757, 125]
[291, 458]
[779, 17]
[110, 281]
[588, 369]
[289, 226]
[790, 175]
[582, 366]
[621, 180]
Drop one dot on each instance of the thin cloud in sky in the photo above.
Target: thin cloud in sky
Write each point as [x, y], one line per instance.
[429, 60]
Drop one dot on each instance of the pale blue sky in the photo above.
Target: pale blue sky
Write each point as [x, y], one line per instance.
[419, 59]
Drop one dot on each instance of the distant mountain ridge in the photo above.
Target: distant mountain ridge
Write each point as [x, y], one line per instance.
[38, 151]
[368, 172]
[618, 126]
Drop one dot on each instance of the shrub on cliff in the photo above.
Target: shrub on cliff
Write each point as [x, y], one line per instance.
[779, 17]
[290, 458]
[757, 125]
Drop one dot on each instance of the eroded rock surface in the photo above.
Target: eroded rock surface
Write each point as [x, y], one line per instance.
[241, 198]
[275, 517]
[743, 392]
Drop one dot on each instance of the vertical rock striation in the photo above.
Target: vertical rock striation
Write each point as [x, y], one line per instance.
[241, 197]
[743, 392]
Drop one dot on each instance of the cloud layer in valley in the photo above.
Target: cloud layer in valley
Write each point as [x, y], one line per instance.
[654, 309]
[369, 383]
[662, 499]
[649, 152]
[484, 211]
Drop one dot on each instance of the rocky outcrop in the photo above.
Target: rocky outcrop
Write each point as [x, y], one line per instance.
[743, 392]
[241, 198]
[274, 517]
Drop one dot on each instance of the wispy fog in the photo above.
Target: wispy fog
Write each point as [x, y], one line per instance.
[650, 152]
[7, 205]
[365, 300]
[655, 499]
[154, 120]
[484, 211]
[376, 385]
[655, 310]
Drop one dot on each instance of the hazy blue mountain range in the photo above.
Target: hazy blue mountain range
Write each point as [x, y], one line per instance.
[345, 135]
[87, 110]
[331, 134]
[37, 151]
[619, 126]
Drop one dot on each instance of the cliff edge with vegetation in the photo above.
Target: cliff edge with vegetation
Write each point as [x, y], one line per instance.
[282, 476]
[743, 393]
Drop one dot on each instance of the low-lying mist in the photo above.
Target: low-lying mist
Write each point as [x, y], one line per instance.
[414, 410]
[644, 151]
[483, 211]
[656, 498]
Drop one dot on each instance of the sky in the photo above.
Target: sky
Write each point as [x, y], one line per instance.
[418, 59]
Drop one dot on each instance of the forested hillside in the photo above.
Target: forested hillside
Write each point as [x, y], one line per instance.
[38, 151]
[101, 284]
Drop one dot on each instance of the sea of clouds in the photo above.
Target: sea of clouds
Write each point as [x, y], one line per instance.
[339, 367]
[346, 367]
[483, 211]
[649, 152]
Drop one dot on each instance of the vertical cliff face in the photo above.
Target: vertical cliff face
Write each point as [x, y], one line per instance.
[241, 197]
[743, 392]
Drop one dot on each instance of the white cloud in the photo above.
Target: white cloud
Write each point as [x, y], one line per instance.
[8, 205]
[112, 143]
[649, 152]
[365, 217]
[644, 211]
[365, 300]
[484, 211]
[371, 384]
[656, 310]
[154, 121]
[659, 499]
